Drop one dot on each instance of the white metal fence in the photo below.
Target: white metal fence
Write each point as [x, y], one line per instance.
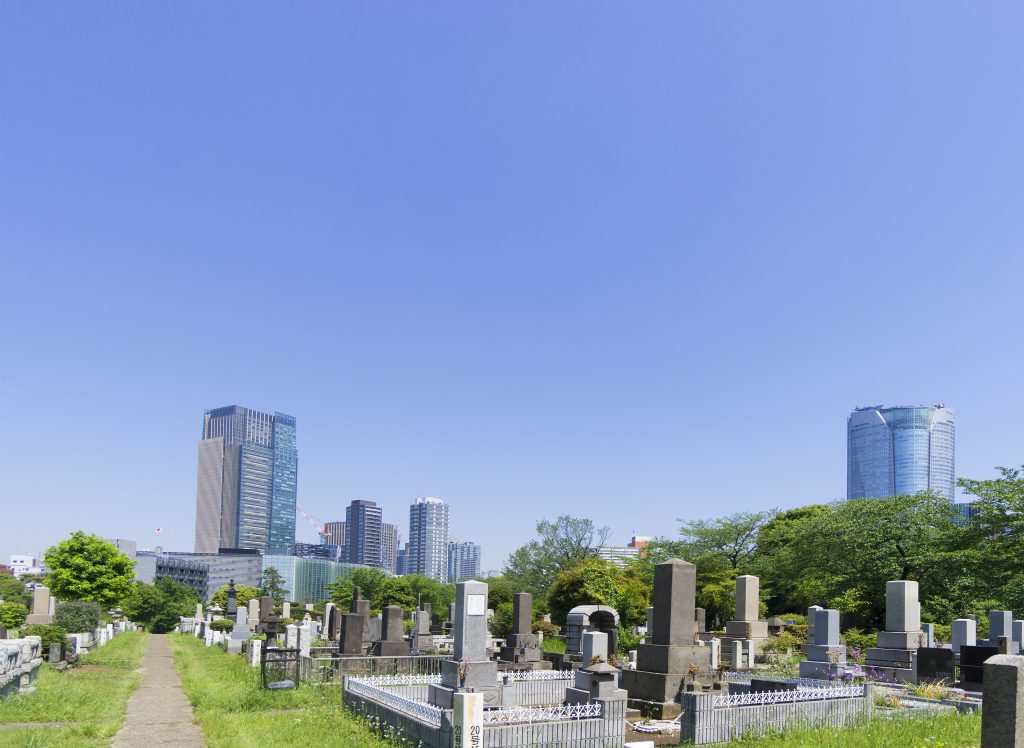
[542, 714]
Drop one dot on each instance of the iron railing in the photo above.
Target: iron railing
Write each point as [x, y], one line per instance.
[783, 697]
[542, 714]
[424, 712]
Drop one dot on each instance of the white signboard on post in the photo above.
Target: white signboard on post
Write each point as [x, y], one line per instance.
[467, 720]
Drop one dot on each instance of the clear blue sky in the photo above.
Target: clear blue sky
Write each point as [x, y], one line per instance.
[633, 261]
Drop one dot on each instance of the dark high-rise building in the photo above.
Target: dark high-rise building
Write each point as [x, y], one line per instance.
[389, 542]
[245, 493]
[402, 561]
[362, 531]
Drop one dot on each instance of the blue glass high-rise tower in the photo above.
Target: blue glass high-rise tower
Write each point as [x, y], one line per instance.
[245, 493]
[900, 450]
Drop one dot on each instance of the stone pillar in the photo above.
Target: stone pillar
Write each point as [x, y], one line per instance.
[929, 634]
[747, 597]
[254, 612]
[902, 609]
[964, 632]
[286, 610]
[595, 644]
[1002, 718]
[467, 720]
[471, 621]
[811, 614]
[737, 654]
[199, 611]
[522, 613]
[826, 627]
[1000, 623]
[675, 581]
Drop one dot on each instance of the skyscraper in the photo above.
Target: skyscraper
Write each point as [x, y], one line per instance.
[362, 530]
[334, 532]
[900, 450]
[463, 561]
[246, 484]
[428, 538]
[389, 540]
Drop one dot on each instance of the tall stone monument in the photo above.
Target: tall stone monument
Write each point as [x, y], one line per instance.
[826, 655]
[897, 646]
[522, 647]
[422, 639]
[745, 634]
[40, 607]
[231, 610]
[392, 642]
[672, 656]
[469, 670]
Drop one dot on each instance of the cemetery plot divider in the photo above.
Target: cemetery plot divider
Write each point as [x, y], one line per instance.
[331, 670]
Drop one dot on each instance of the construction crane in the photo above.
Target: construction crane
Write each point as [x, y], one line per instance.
[313, 522]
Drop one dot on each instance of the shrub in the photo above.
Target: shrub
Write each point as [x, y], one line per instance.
[501, 624]
[544, 627]
[49, 634]
[222, 624]
[78, 616]
[858, 639]
[798, 632]
[627, 639]
[12, 615]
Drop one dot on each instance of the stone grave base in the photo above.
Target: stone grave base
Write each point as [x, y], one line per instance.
[897, 674]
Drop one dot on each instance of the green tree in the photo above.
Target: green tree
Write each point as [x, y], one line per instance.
[394, 591]
[87, 567]
[501, 624]
[560, 545]
[600, 582]
[733, 538]
[143, 603]
[12, 615]
[178, 600]
[78, 616]
[13, 590]
[273, 584]
[243, 594]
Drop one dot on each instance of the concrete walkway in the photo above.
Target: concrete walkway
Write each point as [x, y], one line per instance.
[158, 712]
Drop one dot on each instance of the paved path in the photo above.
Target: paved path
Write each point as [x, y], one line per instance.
[158, 712]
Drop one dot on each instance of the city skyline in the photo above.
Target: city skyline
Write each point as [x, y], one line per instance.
[627, 266]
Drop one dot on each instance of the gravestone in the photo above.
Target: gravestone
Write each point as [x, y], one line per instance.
[231, 609]
[265, 611]
[701, 618]
[585, 618]
[199, 611]
[1002, 717]
[361, 606]
[1000, 623]
[422, 639]
[240, 633]
[972, 661]
[935, 664]
[450, 623]
[469, 668]
[41, 612]
[330, 625]
[826, 654]
[963, 632]
[286, 610]
[663, 664]
[1018, 635]
[746, 630]
[812, 613]
[522, 647]
[352, 626]
[894, 655]
[392, 642]
[928, 629]
[254, 612]
[597, 679]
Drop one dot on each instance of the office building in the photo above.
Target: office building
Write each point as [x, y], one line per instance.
[308, 550]
[428, 538]
[389, 540]
[463, 561]
[151, 564]
[334, 534]
[402, 561]
[245, 489]
[362, 533]
[27, 563]
[244, 566]
[618, 555]
[900, 450]
[306, 579]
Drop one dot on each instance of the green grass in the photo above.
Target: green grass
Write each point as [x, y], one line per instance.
[942, 730]
[553, 644]
[89, 700]
[235, 712]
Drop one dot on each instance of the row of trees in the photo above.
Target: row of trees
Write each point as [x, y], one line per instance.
[839, 555]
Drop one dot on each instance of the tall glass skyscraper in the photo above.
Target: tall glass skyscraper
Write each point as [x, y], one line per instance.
[362, 531]
[900, 450]
[245, 492]
[463, 561]
[428, 539]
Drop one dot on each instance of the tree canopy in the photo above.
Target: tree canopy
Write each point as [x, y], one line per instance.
[560, 545]
[87, 567]
[273, 584]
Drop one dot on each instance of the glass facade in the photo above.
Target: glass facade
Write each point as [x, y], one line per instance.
[428, 539]
[901, 450]
[246, 490]
[306, 579]
[363, 533]
[463, 561]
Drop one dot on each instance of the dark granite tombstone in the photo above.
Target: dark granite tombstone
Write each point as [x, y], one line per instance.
[392, 643]
[972, 660]
[231, 611]
[352, 625]
[934, 663]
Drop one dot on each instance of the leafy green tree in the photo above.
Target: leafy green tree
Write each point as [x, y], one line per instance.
[599, 582]
[178, 600]
[12, 615]
[428, 590]
[243, 594]
[273, 584]
[143, 603]
[87, 567]
[560, 545]
[394, 591]
[733, 538]
[501, 624]
[13, 590]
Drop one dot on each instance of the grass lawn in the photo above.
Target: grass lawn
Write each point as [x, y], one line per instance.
[235, 712]
[945, 730]
[83, 706]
